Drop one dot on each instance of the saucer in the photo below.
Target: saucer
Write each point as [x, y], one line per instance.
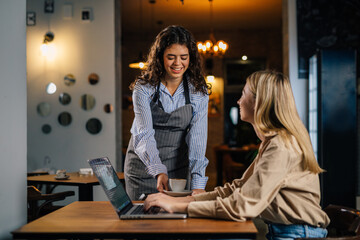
[62, 178]
[178, 194]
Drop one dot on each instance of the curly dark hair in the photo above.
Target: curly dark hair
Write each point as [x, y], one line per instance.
[155, 70]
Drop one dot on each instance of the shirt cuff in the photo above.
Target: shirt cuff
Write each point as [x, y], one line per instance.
[198, 182]
[156, 169]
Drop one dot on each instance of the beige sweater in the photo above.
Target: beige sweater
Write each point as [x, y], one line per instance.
[274, 187]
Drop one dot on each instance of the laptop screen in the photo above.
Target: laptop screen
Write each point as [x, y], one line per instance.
[110, 182]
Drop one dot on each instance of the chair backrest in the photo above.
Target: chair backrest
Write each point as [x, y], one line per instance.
[344, 221]
[34, 195]
[332, 238]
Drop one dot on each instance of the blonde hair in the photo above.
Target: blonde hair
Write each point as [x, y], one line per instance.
[275, 113]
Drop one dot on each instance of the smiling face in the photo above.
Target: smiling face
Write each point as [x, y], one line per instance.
[247, 105]
[176, 62]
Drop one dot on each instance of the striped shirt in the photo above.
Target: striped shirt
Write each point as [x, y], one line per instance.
[143, 132]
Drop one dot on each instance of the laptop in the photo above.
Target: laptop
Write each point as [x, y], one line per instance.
[118, 197]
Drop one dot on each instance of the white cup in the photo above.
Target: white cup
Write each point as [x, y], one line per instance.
[85, 171]
[61, 173]
[177, 184]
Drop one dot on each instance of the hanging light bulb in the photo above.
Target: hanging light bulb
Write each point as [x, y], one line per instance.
[139, 63]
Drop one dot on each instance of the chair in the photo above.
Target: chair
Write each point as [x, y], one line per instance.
[39, 186]
[344, 221]
[34, 196]
[233, 161]
[344, 224]
[231, 169]
[332, 238]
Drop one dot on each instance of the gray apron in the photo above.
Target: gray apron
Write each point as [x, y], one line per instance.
[170, 132]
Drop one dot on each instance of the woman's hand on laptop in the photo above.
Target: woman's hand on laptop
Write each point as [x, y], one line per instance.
[168, 203]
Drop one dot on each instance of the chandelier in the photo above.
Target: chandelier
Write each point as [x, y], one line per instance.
[212, 47]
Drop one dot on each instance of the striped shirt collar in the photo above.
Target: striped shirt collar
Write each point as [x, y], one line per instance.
[179, 90]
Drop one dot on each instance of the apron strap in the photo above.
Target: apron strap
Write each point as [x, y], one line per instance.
[186, 91]
[156, 97]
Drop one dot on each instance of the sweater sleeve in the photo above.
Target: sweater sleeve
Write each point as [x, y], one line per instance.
[238, 201]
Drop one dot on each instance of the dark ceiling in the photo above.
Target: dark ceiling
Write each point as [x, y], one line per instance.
[142, 15]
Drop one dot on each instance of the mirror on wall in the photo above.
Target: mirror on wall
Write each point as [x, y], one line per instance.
[108, 108]
[51, 88]
[43, 109]
[64, 118]
[93, 126]
[46, 128]
[87, 102]
[93, 78]
[69, 79]
[64, 98]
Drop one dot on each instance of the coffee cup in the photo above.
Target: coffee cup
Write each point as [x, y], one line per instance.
[61, 173]
[85, 171]
[177, 184]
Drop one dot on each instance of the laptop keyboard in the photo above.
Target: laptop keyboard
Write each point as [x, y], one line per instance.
[140, 210]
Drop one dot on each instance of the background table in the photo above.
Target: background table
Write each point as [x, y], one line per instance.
[99, 220]
[84, 182]
[231, 159]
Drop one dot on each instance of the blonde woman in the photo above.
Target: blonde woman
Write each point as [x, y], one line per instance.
[281, 186]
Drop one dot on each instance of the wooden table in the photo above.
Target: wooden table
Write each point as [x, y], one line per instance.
[84, 182]
[99, 220]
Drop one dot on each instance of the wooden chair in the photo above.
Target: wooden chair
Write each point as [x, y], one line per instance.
[233, 161]
[34, 196]
[231, 169]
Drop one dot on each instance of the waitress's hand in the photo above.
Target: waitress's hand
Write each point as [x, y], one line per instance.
[197, 191]
[162, 182]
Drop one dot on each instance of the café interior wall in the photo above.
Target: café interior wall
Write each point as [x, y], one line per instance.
[82, 48]
[13, 117]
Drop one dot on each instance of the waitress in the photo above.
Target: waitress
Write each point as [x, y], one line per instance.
[169, 132]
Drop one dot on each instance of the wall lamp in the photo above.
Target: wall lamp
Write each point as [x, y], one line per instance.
[48, 50]
[49, 36]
